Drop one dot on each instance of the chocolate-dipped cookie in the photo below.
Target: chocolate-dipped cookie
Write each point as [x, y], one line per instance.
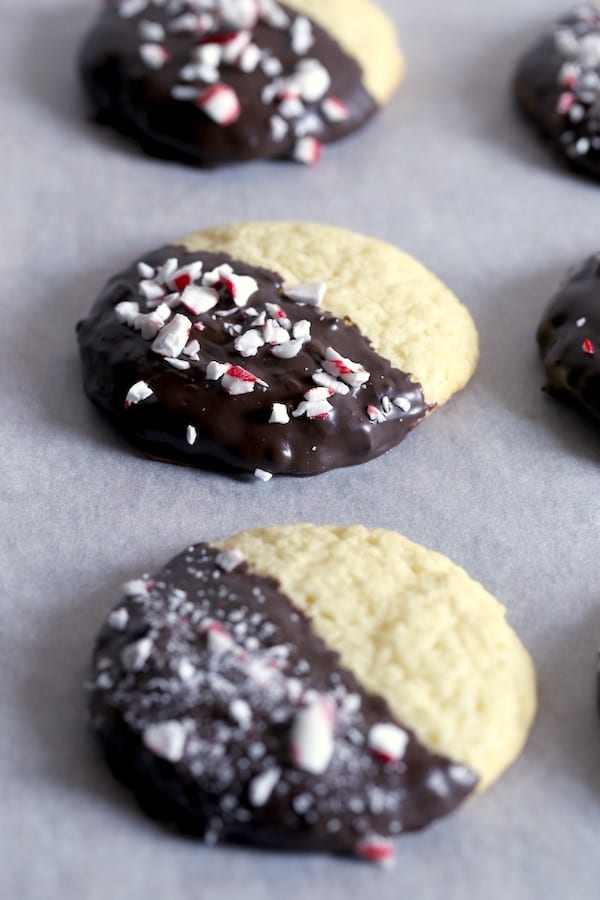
[557, 83]
[274, 348]
[241, 701]
[569, 338]
[209, 82]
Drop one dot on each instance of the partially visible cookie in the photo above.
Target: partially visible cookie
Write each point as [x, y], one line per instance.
[274, 348]
[558, 85]
[569, 338]
[219, 696]
[210, 82]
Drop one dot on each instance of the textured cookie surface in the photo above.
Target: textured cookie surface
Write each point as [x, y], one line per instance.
[411, 318]
[210, 83]
[198, 354]
[219, 705]
[569, 338]
[558, 85]
[413, 627]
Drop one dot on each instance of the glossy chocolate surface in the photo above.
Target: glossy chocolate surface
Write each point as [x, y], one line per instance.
[236, 430]
[557, 84]
[158, 102]
[201, 682]
[569, 338]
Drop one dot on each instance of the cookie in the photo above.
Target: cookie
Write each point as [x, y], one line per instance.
[274, 348]
[569, 338]
[558, 85]
[209, 83]
[309, 688]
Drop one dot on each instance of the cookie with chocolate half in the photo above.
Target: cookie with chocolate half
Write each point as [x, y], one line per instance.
[558, 85]
[569, 338]
[209, 82]
[274, 348]
[253, 691]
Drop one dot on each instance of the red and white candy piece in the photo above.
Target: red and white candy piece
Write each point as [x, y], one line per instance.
[220, 103]
[154, 56]
[387, 741]
[317, 409]
[230, 559]
[185, 276]
[308, 151]
[328, 381]
[311, 294]
[375, 415]
[241, 287]
[312, 735]
[237, 380]
[216, 370]
[273, 333]
[350, 372]
[166, 740]
[588, 347]
[289, 350]
[334, 109]
[219, 640]
[173, 337]
[138, 392]
[377, 850]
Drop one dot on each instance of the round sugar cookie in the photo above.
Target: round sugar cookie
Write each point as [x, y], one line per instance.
[274, 347]
[557, 83]
[309, 688]
[569, 339]
[210, 82]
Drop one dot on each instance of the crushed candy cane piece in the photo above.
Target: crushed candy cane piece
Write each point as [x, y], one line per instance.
[230, 559]
[312, 735]
[279, 414]
[166, 740]
[387, 741]
[261, 787]
[262, 475]
[173, 337]
[310, 294]
[138, 392]
[191, 435]
[220, 103]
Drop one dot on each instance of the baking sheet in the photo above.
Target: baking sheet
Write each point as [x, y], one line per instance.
[502, 480]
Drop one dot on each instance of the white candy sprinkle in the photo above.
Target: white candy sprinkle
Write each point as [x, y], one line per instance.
[581, 322]
[145, 271]
[138, 392]
[230, 559]
[249, 343]
[183, 92]
[199, 299]
[308, 124]
[118, 619]
[171, 339]
[461, 774]
[262, 475]
[136, 588]
[278, 128]
[166, 740]
[271, 66]
[312, 79]
[130, 8]
[216, 370]
[302, 35]
[289, 350]
[311, 294]
[152, 31]
[250, 58]
[437, 783]
[273, 333]
[241, 287]
[301, 329]
[261, 787]
[291, 107]
[209, 55]
[240, 712]
[312, 736]
[181, 364]
[386, 405]
[191, 435]
[375, 415]
[135, 656]
[127, 311]
[279, 414]
[154, 56]
[402, 403]
[151, 291]
[388, 741]
[237, 380]
[192, 349]
[318, 393]
[218, 638]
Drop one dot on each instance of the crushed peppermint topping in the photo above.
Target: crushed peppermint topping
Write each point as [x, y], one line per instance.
[225, 38]
[230, 559]
[138, 392]
[387, 741]
[312, 736]
[262, 475]
[262, 786]
[166, 740]
[191, 435]
[311, 294]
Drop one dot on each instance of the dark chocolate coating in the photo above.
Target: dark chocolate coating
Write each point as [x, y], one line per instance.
[569, 338]
[235, 430]
[137, 100]
[559, 89]
[275, 663]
